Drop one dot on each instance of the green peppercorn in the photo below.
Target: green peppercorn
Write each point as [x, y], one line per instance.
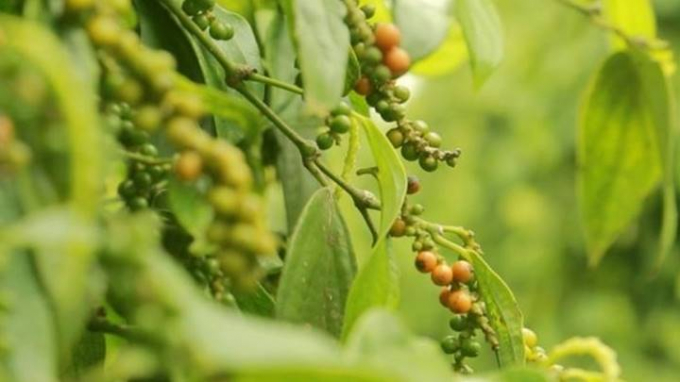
[451, 161]
[126, 189]
[420, 126]
[433, 139]
[201, 21]
[417, 209]
[428, 163]
[324, 141]
[149, 150]
[382, 74]
[470, 347]
[342, 109]
[458, 322]
[450, 344]
[402, 93]
[397, 111]
[396, 137]
[382, 107]
[369, 10]
[190, 7]
[148, 118]
[409, 151]
[373, 98]
[138, 203]
[204, 5]
[220, 30]
[142, 180]
[340, 124]
[373, 56]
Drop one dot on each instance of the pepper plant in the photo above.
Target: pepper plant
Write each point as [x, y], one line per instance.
[143, 145]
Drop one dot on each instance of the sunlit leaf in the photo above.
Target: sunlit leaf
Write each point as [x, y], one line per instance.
[622, 146]
[483, 35]
[423, 25]
[447, 58]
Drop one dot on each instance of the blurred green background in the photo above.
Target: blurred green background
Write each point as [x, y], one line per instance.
[515, 187]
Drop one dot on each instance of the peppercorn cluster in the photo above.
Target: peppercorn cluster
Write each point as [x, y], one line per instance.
[139, 90]
[459, 288]
[201, 12]
[382, 62]
[532, 352]
[337, 124]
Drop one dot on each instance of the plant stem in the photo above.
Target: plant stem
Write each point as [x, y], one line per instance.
[361, 199]
[257, 77]
[102, 325]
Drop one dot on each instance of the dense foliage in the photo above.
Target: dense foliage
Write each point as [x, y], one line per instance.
[147, 149]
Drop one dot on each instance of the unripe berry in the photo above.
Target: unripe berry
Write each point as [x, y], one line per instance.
[387, 36]
[420, 126]
[189, 166]
[460, 301]
[529, 337]
[324, 141]
[470, 347]
[363, 86]
[382, 74]
[221, 31]
[103, 30]
[433, 139]
[340, 124]
[396, 137]
[412, 185]
[138, 203]
[398, 228]
[398, 61]
[148, 118]
[373, 55]
[450, 344]
[201, 21]
[369, 10]
[402, 93]
[409, 151]
[442, 275]
[462, 271]
[458, 322]
[426, 262]
[342, 109]
[190, 7]
[428, 163]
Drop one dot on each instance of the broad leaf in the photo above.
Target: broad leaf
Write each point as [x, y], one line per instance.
[622, 146]
[192, 212]
[483, 35]
[448, 56]
[319, 267]
[391, 175]
[27, 328]
[380, 340]
[423, 25]
[322, 41]
[259, 302]
[376, 285]
[503, 312]
[353, 72]
[88, 352]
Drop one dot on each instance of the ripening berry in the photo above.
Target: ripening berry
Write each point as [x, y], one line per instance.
[442, 275]
[412, 185]
[387, 36]
[363, 86]
[444, 296]
[398, 228]
[462, 271]
[324, 141]
[530, 338]
[426, 262]
[398, 61]
[189, 166]
[396, 137]
[460, 301]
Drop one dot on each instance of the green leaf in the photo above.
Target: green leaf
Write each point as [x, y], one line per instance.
[88, 352]
[391, 175]
[634, 17]
[448, 56]
[322, 42]
[353, 72]
[423, 25]
[381, 341]
[259, 302]
[192, 212]
[27, 328]
[622, 146]
[319, 267]
[503, 312]
[376, 285]
[483, 35]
